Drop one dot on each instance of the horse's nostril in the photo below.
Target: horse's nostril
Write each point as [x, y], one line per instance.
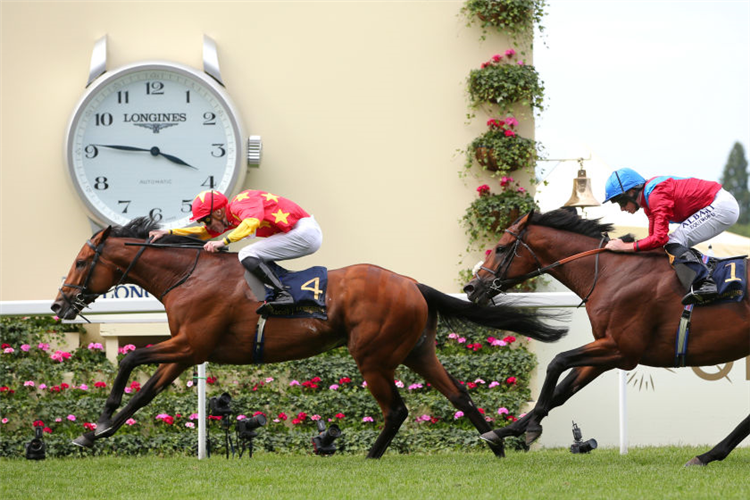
[55, 308]
[469, 289]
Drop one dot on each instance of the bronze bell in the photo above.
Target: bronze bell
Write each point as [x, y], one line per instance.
[582, 195]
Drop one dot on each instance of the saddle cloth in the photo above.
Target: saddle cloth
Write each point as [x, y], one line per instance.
[308, 288]
[730, 276]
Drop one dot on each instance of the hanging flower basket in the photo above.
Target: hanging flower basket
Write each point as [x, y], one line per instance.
[501, 150]
[505, 82]
[511, 17]
[491, 213]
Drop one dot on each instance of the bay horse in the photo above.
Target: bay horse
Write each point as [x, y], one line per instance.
[633, 304]
[384, 319]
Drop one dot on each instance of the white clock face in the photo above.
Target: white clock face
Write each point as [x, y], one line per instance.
[147, 138]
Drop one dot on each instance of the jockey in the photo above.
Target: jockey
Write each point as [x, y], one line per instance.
[702, 208]
[289, 231]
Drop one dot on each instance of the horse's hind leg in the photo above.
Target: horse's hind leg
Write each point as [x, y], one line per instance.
[426, 364]
[383, 389]
[721, 450]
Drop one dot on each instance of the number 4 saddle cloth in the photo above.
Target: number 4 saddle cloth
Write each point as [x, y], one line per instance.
[308, 288]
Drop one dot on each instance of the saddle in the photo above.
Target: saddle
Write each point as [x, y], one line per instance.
[307, 287]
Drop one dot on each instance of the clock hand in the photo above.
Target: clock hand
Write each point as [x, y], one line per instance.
[154, 151]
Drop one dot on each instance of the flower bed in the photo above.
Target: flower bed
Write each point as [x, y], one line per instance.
[64, 396]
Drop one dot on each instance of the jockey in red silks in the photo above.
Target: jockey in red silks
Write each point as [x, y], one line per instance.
[702, 208]
[288, 231]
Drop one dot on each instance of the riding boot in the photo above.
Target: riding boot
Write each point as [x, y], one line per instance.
[693, 274]
[260, 270]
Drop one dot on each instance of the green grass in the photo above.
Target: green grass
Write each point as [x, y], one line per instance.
[642, 473]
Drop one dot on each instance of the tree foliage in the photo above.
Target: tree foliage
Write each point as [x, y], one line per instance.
[735, 180]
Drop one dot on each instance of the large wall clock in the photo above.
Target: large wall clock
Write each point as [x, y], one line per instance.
[146, 138]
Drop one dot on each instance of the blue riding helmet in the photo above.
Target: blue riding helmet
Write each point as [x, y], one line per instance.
[621, 181]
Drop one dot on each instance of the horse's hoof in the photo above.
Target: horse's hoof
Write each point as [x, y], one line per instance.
[533, 435]
[84, 440]
[101, 428]
[695, 461]
[492, 438]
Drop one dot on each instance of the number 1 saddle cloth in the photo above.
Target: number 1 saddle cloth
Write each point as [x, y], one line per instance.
[730, 276]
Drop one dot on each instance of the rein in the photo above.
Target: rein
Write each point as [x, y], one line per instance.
[498, 283]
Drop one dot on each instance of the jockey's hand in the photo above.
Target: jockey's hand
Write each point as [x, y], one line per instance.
[620, 246]
[156, 234]
[213, 246]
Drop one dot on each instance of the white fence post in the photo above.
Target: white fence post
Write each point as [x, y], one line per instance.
[202, 410]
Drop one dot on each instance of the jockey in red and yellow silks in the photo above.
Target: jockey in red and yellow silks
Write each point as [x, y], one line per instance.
[288, 231]
[703, 209]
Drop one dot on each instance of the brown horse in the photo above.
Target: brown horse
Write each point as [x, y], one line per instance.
[384, 319]
[633, 304]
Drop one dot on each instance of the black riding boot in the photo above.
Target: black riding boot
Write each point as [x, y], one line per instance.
[693, 274]
[260, 270]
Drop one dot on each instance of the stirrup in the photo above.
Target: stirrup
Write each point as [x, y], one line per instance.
[700, 296]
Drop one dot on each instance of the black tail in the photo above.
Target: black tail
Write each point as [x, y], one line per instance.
[501, 317]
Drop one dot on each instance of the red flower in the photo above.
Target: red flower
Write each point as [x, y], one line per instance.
[505, 181]
[169, 420]
[55, 388]
[511, 418]
[4, 346]
[509, 339]
[135, 385]
[89, 426]
[282, 416]
[434, 420]
[340, 415]
[484, 189]
[4, 388]
[259, 413]
[210, 380]
[511, 380]
[38, 423]
[302, 415]
[47, 430]
[344, 380]
[100, 385]
[471, 385]
[64, 386]
[315, 379]
[509, 133]
[296, 421]
[481, 410]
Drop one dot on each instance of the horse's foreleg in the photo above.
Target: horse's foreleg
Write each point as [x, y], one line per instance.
[160, 380]
[428, 366]
[721, 450]
[590, 361]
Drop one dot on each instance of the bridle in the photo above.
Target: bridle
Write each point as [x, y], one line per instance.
[500, 283]
[85, 296]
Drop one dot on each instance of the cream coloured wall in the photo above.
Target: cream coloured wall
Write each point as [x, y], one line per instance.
[361, 106]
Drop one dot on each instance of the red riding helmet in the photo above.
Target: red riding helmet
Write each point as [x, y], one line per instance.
[206, 202]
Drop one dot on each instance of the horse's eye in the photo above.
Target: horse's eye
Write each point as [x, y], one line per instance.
[499, 249]
[80, 264]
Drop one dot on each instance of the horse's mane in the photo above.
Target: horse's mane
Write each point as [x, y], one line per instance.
[567, 219]
[140, 227]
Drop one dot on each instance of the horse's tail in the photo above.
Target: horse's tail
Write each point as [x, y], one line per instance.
[501, 317]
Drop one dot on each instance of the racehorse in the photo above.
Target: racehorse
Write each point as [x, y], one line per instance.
[384, 319]
[633, 304]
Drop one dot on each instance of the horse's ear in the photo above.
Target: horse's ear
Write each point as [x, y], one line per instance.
[525, 220]
[105, 234]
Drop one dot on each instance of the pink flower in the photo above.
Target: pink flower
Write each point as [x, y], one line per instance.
[368, 419]
[415, 386]
[521, 189]
[269, 380]
[42, 386]
[315, 418]
[8, 350]
[25, 347]
[4, 420]
[502, 411]
[510, 53]
[28, 383]
[511, 122]
[497, 57]
[95, 346]
[43, 346]
[83, 387]
[483, 190]
[487, 252]
[479, 381]
[293, 383]
[189, 425]
[72, 418]
[461, 340]
[458, 415]
[505, 181]
[334, 387]
[399, 384]
[193, 416]
[520, 63]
